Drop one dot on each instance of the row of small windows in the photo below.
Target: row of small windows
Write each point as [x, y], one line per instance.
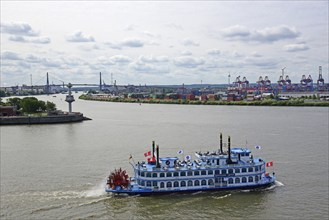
[210, 182]
[197, 173]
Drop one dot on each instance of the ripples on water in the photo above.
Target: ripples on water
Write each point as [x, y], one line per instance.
[194, 205]
[57, 171]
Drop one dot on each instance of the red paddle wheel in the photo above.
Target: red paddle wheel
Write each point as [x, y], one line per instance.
[118, 177]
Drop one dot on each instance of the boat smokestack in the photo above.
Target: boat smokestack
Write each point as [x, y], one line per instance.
[157, 151]
[229, 160]
[153, 146]
[221, 143]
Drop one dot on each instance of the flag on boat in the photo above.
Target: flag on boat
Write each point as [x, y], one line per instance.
[147, 154]
[258, 147]
[269, 164]
[187, 157]
[130, 157]
[180, 152]
[151, 159]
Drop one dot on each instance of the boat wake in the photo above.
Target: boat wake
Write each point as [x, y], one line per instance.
[277, 183]
[93, 201]
[221, 197]
[95, 191]
[46, 208]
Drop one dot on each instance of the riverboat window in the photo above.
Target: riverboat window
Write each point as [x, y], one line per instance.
[183, 174]
[176, 184]
[155, 175]
[223, 171]
[196, 173]
[203, 182]
[237, 170]
[210, 182]
[169, 174]
[183, 184]
[244, 170]
[148, 174]
[155, 183]
[250, 169]
[244, 179]
[196, 183]
[175, 173]
[256, 178]
[162, 185]
[217, 162]
[190, 173]
[148, 183]
[162, 175]
[230, 180]
[190, 183]
[216, 172]
[230, 171]
[203, 172]
[169, 184]
[142, 173]
[250, 179]
[256, 168]
[139, 173]
[210, 172]
[143, 183]
[237, 180]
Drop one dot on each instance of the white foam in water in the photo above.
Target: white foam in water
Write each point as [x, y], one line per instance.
[96, 191]
[277, 183]
[222, 197]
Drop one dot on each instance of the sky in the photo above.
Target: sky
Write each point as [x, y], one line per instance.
[162, 42]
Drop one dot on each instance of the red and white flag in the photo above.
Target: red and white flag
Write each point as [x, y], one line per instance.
[147, 154]
[269, 164]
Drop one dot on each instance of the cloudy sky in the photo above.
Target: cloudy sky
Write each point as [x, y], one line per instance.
[162, 42]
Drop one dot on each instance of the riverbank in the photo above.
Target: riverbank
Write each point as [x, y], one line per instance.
[265, 102]
[53, 119]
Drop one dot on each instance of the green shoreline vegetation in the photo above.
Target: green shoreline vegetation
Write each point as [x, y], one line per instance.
[30, 106]
[265, 102]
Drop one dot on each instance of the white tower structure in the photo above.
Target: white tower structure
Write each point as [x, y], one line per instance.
[69, 97]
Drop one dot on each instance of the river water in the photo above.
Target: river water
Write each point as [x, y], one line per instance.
[58, 171]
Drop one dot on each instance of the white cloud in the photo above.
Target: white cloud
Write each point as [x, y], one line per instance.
[214, 52]
[22, 29]
[236, 32]
[153, 59]
[120, 59]
[8, 55]
[78, 36]
[296, 47]
[161, 41]
[38, 40]
[132, 42]
[188, 62]
[186, 53]
[189, 42]
[128, 42]
[268, 34]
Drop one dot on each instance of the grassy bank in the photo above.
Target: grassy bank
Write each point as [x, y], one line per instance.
[266, 102]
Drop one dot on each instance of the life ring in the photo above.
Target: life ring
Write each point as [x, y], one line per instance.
[167, 162]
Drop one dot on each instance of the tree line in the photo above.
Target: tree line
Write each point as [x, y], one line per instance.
[29, 105]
